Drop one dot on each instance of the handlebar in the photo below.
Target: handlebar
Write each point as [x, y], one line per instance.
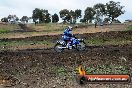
[74, 36]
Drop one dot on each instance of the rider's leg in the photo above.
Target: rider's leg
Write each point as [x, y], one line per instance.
[65, 40]
[69, 44]
[75, 42]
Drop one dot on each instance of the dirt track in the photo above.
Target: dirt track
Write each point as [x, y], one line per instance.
[112, 34]
[36, 68]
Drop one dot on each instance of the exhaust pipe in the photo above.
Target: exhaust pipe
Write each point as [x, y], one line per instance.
[62, 47]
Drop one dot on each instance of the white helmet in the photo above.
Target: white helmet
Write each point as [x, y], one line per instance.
[70, 28]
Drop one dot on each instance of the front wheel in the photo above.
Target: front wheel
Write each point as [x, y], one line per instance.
[81, 46]
[58, 48]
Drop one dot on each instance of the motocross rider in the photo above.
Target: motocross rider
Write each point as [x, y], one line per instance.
[67, 37]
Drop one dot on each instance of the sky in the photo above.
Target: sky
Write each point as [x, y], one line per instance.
[25, 7]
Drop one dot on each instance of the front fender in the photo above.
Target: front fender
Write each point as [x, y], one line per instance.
[60, 42]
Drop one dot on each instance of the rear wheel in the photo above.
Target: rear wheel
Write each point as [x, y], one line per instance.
[58, 48]
[81, 46]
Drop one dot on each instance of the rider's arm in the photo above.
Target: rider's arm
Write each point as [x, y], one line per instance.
[67, 33]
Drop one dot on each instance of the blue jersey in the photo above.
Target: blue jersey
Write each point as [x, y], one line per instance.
[67, 36]
[67, 33]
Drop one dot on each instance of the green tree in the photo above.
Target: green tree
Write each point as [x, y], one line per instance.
[55, 18]
[12, 18]
[116, 21]
[89, 14]
[17, 18]
[9, 17]
[5, 19]
[99, 7]
[106, 20]
[83, 20]
[114, 10]
[70, 16]
[78, 13]
[100, 13]
[75, 15]
[42, 15]
[47, 18]
[37, 14]
[64, 14]
[24, 18]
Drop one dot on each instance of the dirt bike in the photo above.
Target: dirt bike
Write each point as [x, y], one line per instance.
[61, 45]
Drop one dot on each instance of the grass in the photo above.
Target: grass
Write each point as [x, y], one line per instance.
[12, 45]
[51, 27]
[2, 30]
[49, 43]
[61, 71]
[107, 69]
[129, 27]
[9, 26]
[114, 41]
[98, 69]
[41, 29]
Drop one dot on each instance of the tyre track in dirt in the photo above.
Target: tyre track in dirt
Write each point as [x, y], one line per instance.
[30, 64]
[104, 35]
[91, 51]
[24, 61]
